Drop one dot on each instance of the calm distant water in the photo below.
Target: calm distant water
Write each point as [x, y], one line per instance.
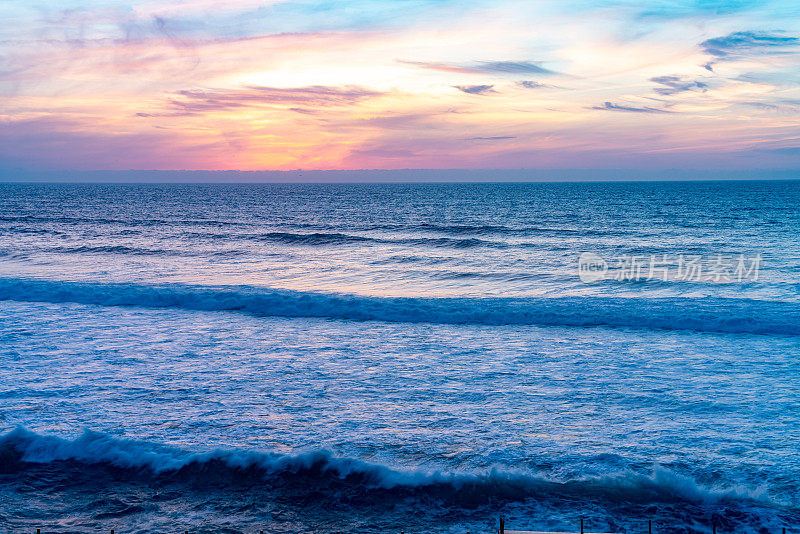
[377, 358]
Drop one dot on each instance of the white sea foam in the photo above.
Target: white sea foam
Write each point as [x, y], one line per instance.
[21, 446]
[676, 313]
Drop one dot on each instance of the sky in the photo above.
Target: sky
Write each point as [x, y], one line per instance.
[422, 84]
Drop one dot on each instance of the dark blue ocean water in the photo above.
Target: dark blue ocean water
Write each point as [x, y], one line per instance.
[378, 358]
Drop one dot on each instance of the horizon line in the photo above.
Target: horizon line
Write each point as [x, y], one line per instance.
[409, 175]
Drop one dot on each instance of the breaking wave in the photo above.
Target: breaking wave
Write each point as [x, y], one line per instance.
[707, 314]
[22, 450]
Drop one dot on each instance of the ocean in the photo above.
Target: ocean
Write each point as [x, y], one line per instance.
[377, 358]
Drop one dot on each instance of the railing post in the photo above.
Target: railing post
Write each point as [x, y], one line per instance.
[649, 526]
[581, 525]
[502, 525]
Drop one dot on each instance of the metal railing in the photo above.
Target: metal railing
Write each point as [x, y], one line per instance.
[504, 530]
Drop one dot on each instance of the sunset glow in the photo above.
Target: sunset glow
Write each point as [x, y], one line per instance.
[282, 85]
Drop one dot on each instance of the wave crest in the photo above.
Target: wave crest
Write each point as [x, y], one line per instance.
[22, 449]
[694, 314]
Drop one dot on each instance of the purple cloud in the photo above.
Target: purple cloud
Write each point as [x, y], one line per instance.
[675, 84]
[301, 99]
[609, 106]
[743, 42]
[530, 84]
[476, 89]
[748, 43]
